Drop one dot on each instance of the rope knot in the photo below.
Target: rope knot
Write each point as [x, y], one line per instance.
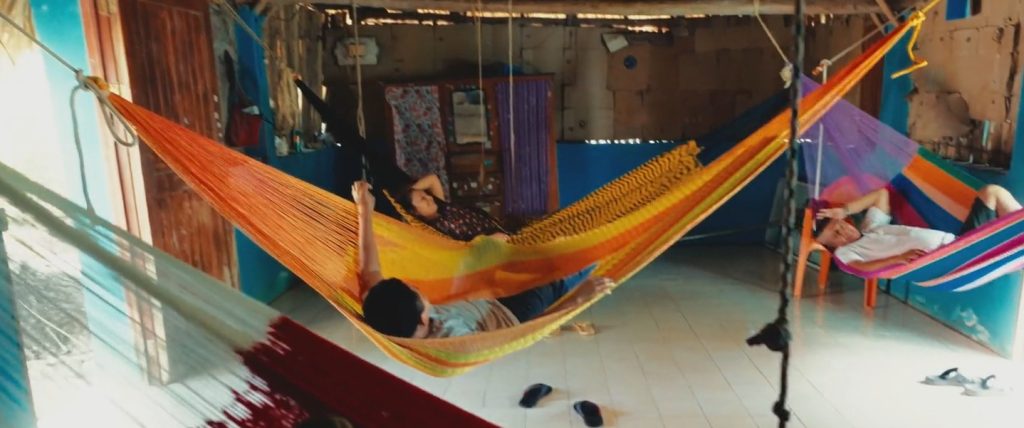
[780, 411]
[774, 335]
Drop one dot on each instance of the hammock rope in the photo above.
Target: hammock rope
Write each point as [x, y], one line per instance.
[358, 55]
[768, 32]
[233, 14]
[99, 89]
[478, 24]
[511, 112]
[313, 232]
[821, 134]
[776, 335]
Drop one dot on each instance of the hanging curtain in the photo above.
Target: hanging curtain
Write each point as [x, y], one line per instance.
[527, 160]
[418, 130]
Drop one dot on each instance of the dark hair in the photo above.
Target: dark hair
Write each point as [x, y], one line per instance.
[820, 225]
[403, 195]
[393, 308]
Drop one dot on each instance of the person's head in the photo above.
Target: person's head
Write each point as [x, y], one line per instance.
[396, 309]
[417, 202]
[834, 233]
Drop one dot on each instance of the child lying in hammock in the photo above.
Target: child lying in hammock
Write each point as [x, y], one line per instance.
[425, 200]
[394, 308]
[878, 244]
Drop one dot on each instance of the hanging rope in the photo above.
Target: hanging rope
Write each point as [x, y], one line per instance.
[776, 334]
[511, 107]
[821, 134]
[828, 62]
[358, 55]
[99, 89]
[778, 48]
[241, 23]
[787, 69]
[478, 22]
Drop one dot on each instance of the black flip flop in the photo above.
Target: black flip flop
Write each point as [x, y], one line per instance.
[590, 412]
[533, 394]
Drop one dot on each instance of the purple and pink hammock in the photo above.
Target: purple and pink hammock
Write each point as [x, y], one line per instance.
[849, 153]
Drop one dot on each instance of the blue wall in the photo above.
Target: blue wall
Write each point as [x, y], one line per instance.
[582, 168]
[987, 314]
[261, 276]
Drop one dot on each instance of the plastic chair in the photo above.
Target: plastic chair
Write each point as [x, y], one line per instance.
[807, 246]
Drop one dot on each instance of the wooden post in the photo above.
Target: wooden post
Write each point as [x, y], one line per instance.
[884, 7]
[625, 7]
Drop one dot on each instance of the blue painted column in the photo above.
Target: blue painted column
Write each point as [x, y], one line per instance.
[59, 24]
[15, 394]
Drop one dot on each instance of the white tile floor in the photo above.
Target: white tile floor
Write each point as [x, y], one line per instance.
[670, 352]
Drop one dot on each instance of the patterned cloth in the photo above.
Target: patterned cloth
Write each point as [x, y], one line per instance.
[418, 130]
[463, 223]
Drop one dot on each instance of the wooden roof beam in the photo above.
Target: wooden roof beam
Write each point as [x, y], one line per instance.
[887, 11]
[626, 7]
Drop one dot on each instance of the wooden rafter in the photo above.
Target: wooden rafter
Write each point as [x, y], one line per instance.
[626, 7]
[887, 11]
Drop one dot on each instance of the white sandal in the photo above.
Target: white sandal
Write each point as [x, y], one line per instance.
[951, 377]
[986, 388]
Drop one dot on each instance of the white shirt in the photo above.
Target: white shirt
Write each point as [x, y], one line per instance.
[881, 240]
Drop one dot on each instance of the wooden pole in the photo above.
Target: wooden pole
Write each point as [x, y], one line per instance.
[884, 7]
[627, 7]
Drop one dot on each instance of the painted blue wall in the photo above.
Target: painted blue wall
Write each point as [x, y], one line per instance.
[582, 168]
[261, 276]
[58, 24]
[987, 314]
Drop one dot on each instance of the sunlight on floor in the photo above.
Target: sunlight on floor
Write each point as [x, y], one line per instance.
[670, 352]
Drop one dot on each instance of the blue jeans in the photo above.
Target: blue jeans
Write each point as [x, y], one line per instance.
[531, 303]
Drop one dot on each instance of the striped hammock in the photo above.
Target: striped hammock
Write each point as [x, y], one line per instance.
[621, 227]
[853, 153]
[98, 328]
[930, 192]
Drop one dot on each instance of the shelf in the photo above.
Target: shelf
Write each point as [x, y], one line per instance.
[977, 167]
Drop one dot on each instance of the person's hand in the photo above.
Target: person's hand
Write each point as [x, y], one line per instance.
[835, 213]
[363, 198]
[911, 255]
[594, 286]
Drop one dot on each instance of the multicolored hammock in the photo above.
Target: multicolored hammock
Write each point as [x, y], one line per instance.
[860, 154]
[622, 226]
[143, 339]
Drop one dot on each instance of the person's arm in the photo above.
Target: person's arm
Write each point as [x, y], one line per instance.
[369, 259]
[898, 259]
[878, 199]
[585, 291]
[431, 184]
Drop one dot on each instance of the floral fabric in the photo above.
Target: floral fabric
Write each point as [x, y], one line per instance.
[418, 130]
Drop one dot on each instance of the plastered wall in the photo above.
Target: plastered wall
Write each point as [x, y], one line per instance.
[682, 85]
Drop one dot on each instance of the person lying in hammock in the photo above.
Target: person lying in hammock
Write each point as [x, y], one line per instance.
[394, 308]
[424, 199]
[878, 244]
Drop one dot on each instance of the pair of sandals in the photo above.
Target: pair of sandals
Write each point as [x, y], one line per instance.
[590, 412]
[974, 387]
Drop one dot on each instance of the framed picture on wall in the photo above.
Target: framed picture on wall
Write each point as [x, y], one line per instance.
[469, 111]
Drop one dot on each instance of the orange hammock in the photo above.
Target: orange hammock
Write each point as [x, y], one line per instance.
[314, 233]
